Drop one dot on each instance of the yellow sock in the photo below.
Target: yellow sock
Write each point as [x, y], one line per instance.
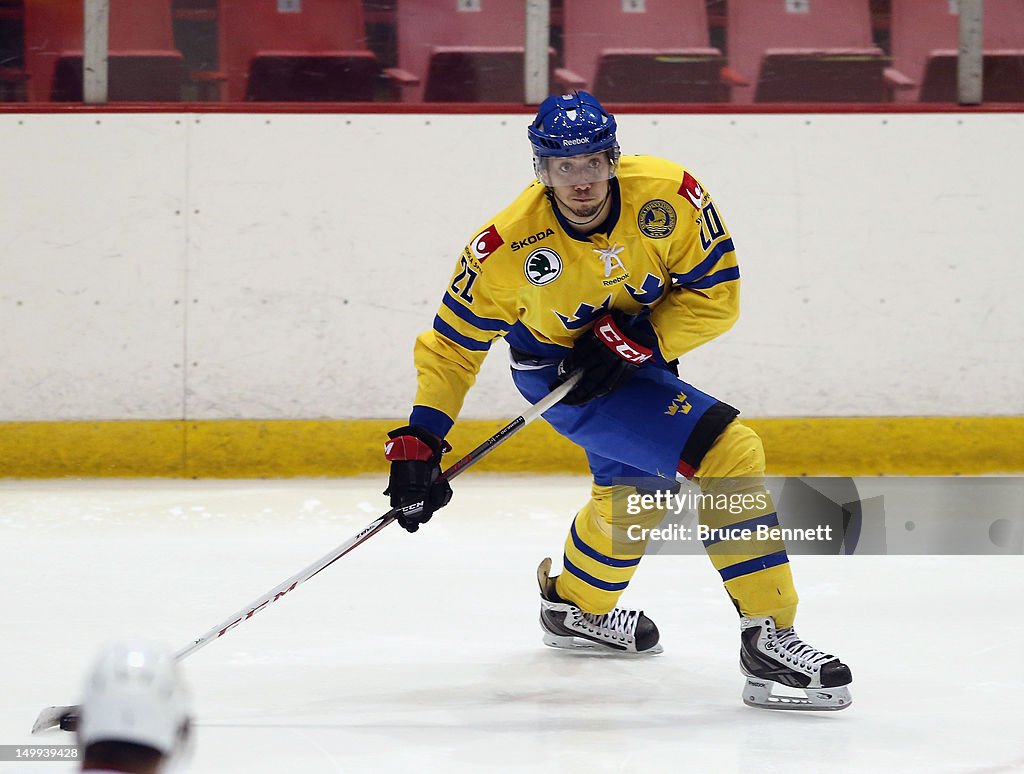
[755, 572]
[600, 557]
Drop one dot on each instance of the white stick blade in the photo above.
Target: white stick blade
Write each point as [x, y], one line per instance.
[51, 717]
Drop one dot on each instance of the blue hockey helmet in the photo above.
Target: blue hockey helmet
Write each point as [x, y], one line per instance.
[572, 125]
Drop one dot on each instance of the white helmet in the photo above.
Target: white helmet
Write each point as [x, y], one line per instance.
[135, 694]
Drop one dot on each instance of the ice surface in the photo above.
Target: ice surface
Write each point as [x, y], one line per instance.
[422, 652]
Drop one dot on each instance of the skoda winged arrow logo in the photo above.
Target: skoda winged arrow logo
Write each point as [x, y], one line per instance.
[542, 266]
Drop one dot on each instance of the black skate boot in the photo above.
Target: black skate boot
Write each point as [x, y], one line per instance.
[566, 626]
[770, 656]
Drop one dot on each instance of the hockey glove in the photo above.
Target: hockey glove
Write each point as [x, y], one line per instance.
[415, 484]
[608, 354]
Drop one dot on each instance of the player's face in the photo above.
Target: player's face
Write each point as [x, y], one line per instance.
[580, 183]
[578, 170]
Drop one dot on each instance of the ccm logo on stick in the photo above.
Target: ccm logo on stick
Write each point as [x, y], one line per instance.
[256, 609]
[610, 335]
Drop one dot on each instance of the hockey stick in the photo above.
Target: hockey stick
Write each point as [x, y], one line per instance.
[67, 717]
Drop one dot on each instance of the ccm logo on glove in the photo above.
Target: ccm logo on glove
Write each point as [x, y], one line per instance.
[608, 332]
[415, 485]
[607, 354]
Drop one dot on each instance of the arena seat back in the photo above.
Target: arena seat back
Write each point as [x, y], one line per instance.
[804, 51]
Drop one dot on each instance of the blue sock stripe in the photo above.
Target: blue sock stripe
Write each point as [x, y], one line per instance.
[768, 520]
[597, 556]
[753, 565]
[588, 578]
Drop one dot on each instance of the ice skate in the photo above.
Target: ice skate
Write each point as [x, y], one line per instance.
[771, 657]
[566, 626]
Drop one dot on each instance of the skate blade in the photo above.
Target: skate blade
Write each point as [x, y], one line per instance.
[595, 648]
[760, 694]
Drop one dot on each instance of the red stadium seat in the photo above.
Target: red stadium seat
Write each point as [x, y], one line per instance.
[925, 40]
[143, 64]
[804, 51]
[13, 75]
[658, 51]
[449, 52]
[296, 51]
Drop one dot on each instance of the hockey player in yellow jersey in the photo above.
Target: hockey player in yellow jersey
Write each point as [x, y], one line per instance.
[614, 267]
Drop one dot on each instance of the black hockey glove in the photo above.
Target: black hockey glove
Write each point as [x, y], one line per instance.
[415, 484]
[608, 354]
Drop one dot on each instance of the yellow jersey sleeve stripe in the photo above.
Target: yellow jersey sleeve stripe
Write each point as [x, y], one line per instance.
[481, 323]
[702, 268]
[462, 340]
[720, 276]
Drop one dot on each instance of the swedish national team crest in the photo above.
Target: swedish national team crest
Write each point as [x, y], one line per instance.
[542, 266]
[657, 219]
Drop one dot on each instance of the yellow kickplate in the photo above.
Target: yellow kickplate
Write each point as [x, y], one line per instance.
[818, 446]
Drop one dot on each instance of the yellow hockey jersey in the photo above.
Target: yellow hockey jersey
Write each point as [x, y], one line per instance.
[530, 277]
